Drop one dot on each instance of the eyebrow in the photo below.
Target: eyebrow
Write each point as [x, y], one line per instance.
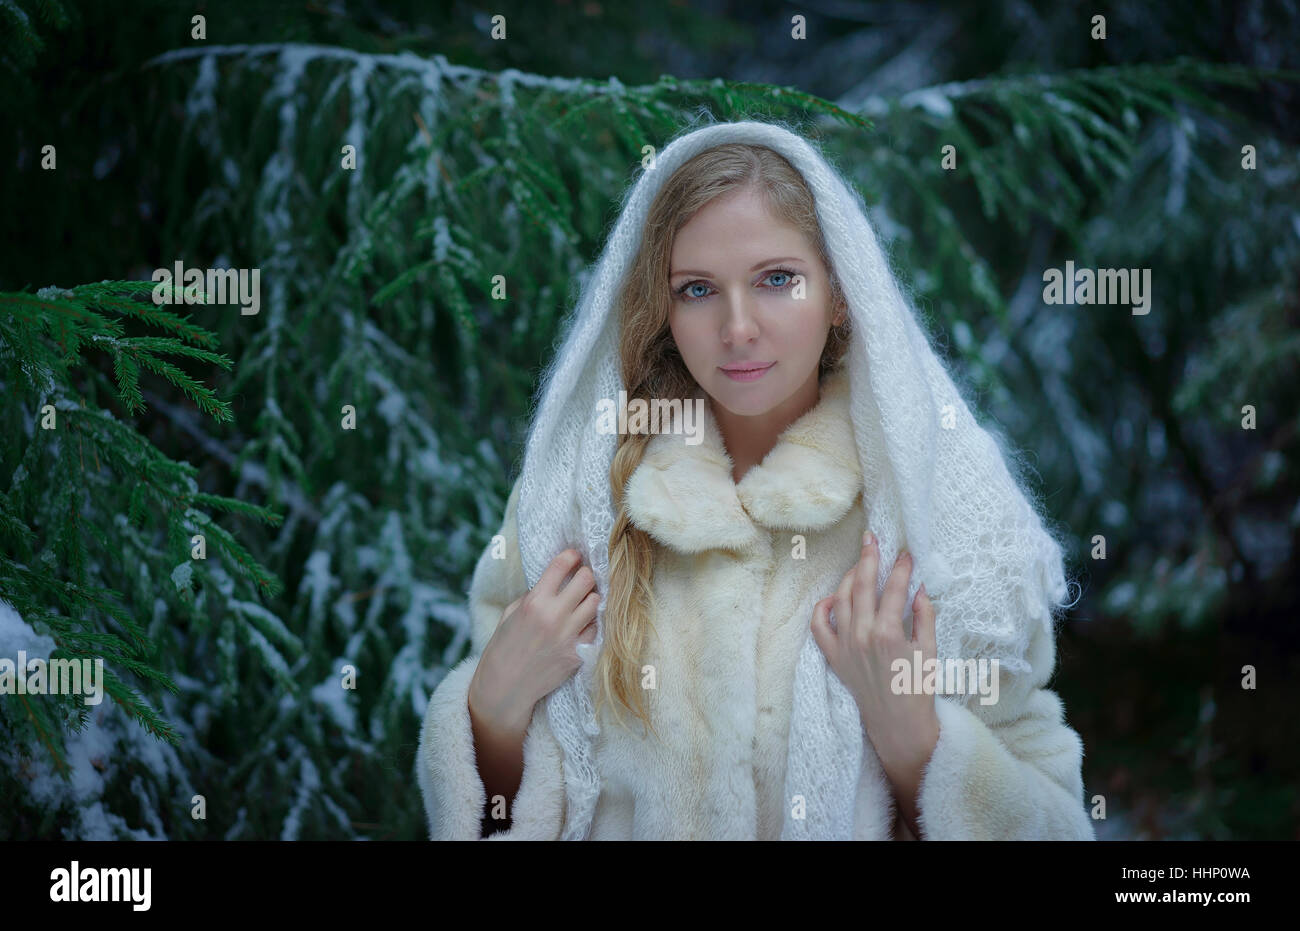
[754, 268]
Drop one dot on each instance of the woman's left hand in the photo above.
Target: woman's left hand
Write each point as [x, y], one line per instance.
[862, 650]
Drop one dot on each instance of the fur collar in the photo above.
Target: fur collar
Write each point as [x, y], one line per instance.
[684, 495]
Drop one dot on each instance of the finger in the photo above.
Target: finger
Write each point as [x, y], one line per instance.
[895, 596]
[923, 614]
[583, 613]
[864, 590]
[577, 588]
[821, 627]
[564, 562]
[842, 602]
[588, 633]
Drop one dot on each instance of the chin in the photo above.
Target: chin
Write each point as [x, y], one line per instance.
[747, 400]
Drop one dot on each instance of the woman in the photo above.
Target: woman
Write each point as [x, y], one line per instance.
[733, 582]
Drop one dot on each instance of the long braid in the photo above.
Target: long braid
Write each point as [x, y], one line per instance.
[630, 605]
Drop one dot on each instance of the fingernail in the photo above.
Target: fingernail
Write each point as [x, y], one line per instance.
[904, 554]
[921, 591]
[868, 538]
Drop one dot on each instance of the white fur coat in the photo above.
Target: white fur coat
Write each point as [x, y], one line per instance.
[738, 569]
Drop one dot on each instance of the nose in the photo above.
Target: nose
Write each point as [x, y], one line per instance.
[740, 324]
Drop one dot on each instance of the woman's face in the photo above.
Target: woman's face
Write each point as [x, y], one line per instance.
[747, 290]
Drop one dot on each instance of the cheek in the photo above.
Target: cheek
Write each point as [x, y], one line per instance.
[807, 328]
[687, 334]
[676, 331]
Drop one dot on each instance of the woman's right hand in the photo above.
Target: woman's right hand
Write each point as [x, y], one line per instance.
[533, 650]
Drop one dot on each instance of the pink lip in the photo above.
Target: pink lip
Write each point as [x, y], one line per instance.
[747, 374]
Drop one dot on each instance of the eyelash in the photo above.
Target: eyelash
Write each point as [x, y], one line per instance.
[680, 292]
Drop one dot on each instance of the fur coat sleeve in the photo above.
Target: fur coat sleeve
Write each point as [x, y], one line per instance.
[1011, 770]
[455, 799]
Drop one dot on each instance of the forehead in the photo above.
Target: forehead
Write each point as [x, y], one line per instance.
[736, 230]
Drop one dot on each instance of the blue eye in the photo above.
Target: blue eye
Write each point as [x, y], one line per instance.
[786, 273]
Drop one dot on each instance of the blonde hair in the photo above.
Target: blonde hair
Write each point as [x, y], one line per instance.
[653, 368]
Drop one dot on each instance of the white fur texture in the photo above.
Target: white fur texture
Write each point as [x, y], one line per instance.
[733, 609]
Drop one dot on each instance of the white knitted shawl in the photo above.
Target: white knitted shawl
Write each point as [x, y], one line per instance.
[934, 481]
